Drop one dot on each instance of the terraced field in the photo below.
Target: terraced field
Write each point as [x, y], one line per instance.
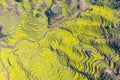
[59, 40]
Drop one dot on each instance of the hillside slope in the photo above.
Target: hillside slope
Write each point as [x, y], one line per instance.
[59, 40]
